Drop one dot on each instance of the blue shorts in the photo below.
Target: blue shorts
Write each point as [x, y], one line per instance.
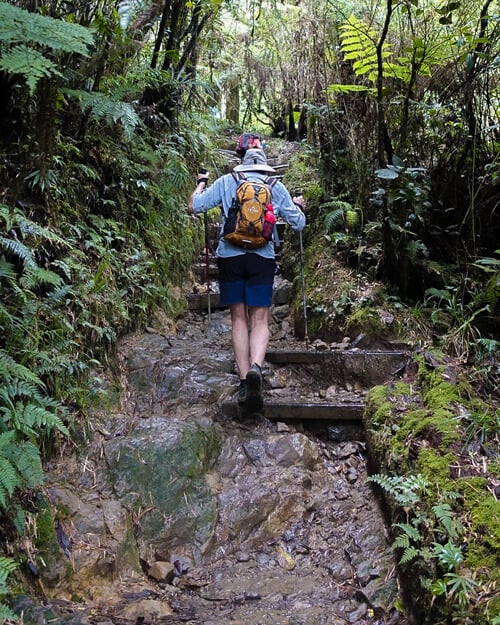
[246, 279]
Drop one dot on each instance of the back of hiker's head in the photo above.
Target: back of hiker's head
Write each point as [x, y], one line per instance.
[247, 141]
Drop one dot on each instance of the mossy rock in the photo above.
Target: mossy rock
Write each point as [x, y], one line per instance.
[414, 429]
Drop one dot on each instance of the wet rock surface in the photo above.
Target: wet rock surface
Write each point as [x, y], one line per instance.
[177, 513]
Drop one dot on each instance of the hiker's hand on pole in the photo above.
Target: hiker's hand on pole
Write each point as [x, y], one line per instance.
[202, 179]
[299, 201]
[201, 183]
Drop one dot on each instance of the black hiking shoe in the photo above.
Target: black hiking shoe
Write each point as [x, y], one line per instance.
[255, 401]
[242, 393]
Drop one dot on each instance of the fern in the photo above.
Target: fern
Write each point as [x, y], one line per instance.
[20, 466]
[22, 34]
[10, 369]
[18, 249]
[6, 269]
[446, 517]
[336, 215]
[36, 276]
[29, 63]
[104, 108]
[358, 44]
[7, 565]
[9, 476]
[405, 490]
[409, 554]
[410, 531]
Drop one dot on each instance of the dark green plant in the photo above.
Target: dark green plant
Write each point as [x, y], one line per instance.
[403, 205]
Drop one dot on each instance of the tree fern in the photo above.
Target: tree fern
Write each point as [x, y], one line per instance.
[24, 34]
[359, 45]
[29, 63]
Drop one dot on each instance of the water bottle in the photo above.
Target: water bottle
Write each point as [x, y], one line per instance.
[269, 221]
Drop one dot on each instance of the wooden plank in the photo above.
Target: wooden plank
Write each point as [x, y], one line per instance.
[302, 411]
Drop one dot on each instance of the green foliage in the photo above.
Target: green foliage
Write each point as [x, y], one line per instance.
[358, 44]
[107, 109]
[7, 566]
[417, 539]
[406, 490]
[23, 34]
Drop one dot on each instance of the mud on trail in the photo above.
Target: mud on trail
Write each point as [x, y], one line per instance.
[235, 521]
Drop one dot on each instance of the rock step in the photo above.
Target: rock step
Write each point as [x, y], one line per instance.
[296, 410]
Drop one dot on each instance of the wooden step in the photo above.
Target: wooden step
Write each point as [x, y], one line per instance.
[366, 368]
[290, 410]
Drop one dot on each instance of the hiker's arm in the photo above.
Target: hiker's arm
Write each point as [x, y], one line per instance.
[201, 184]
[204, 198]
[290, 210]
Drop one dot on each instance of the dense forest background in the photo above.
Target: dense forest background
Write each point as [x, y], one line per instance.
[107, 110]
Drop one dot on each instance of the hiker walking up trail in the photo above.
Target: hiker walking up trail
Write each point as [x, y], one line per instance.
[251, 199]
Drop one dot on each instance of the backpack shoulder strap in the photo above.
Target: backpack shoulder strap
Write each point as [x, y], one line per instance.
[238, 176]
[271, 181]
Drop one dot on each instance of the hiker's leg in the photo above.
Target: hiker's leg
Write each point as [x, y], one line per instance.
[259, 333]
[258, 296]
[241, 342]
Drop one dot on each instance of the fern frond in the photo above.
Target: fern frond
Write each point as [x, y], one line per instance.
[6, 614]
[409, 554]
[6, 269]
[334, 219]
[405, 490]
[30, 418]
[10, 369]
[446, 517]
[29, 464]
[36, 276]
[9, 480]
[104, 108]
[30, 228]
[18, 249]
[409, 530]
[402, 542]
[20, 466]
[29, 63]
[18, 26]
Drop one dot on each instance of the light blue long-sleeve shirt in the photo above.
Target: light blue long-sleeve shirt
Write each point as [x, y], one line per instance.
[223, 190]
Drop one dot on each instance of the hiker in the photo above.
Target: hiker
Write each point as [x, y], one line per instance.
[246, 274]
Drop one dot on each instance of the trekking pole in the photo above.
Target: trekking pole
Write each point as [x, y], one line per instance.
[207, 258]
[303, 278]
[304, 303]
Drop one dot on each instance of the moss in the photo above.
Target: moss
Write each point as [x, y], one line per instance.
[366, 321]
[128, 556]
[45, 529]
[414, 429]
[435, 467]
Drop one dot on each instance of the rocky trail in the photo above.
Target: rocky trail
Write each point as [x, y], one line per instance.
[181, 510]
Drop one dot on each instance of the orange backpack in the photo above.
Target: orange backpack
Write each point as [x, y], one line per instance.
[244, 225]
